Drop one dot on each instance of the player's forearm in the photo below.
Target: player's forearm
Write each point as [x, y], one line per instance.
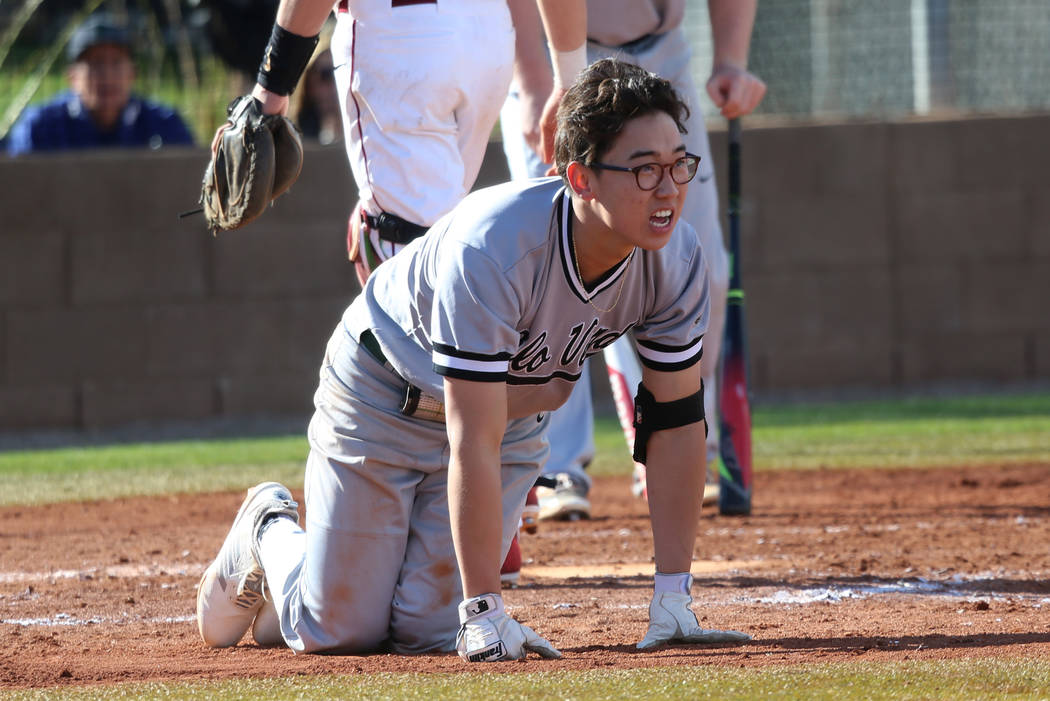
[675, 480]
[565, 22]
[531, 68]
[299, 19]
[731, 25]
[476, 514]
[303, 17]
[476, 417]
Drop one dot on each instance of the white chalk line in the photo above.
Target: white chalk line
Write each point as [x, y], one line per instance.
[122, 571]
[950, 588]
[904, 587]
[65, 619]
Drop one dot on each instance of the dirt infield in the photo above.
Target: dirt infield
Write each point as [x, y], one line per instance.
[831, 566]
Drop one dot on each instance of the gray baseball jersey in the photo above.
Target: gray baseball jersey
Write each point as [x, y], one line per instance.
[492, 293]
[664, 51]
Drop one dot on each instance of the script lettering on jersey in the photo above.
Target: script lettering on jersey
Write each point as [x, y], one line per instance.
[584, 341]
[532, 356]
[583, 344]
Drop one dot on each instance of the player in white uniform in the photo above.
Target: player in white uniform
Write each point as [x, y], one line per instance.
[649, 34]
[492, 315]
[418, 105]
[418, 108]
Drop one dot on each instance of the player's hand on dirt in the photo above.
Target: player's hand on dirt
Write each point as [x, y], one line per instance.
[488, 634]
[672, 621]
[735, 91]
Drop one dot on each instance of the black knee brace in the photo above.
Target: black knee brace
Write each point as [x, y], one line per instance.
[651, 416]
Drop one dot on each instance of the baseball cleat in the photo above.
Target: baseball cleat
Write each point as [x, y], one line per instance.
[231, 590]
[565, 501]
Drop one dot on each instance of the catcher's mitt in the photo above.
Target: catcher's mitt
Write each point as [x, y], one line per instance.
[254, 158]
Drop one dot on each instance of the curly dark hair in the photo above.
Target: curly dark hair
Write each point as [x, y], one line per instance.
[607, 95]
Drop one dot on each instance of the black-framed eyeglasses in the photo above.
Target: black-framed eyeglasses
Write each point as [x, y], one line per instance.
[650, 175]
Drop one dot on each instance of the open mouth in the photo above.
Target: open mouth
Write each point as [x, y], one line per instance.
[661, 218]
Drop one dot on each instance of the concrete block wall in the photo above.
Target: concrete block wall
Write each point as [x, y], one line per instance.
[896, 255]
[874, 256]
[113, 310]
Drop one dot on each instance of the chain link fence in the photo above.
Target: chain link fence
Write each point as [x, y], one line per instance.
[822, 59]
[856, 59]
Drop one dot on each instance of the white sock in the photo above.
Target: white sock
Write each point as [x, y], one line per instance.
[282, 547]
[679, 583]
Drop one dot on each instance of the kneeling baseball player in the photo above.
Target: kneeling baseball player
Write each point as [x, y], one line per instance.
[434, 395]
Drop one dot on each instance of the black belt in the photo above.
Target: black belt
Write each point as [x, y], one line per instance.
[343, 4]
[371, 344]
[415, 402]
[636, 46]
[393, 228]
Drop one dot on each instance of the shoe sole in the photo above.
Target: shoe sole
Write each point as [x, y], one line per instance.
[566, 509]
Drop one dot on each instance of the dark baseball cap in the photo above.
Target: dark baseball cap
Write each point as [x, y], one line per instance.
[97, 29]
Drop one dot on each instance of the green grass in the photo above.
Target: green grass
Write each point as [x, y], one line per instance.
[909, 433]
[101, 472]
[953, 679]
[920, 432]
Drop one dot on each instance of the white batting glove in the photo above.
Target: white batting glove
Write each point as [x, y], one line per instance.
[487, 633]
[671, 620]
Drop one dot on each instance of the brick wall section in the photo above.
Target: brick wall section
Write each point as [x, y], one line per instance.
[113, 310]
[874, 256]
[896, 255]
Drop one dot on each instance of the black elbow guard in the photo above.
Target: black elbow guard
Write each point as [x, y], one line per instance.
[651, 416]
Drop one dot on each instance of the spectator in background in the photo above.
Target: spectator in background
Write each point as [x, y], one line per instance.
[314, 106]
[99, 110]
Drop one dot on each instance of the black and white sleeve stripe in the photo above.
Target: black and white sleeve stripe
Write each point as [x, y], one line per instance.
[452, 362]
[664, 358]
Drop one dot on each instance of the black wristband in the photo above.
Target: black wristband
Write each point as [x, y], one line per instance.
[285, 60]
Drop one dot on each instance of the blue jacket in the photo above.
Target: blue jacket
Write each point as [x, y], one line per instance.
[64, 124]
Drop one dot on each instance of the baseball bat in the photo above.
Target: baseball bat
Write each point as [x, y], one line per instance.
[734, 474]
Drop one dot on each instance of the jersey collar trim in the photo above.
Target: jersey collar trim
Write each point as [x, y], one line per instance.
[569, 266]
